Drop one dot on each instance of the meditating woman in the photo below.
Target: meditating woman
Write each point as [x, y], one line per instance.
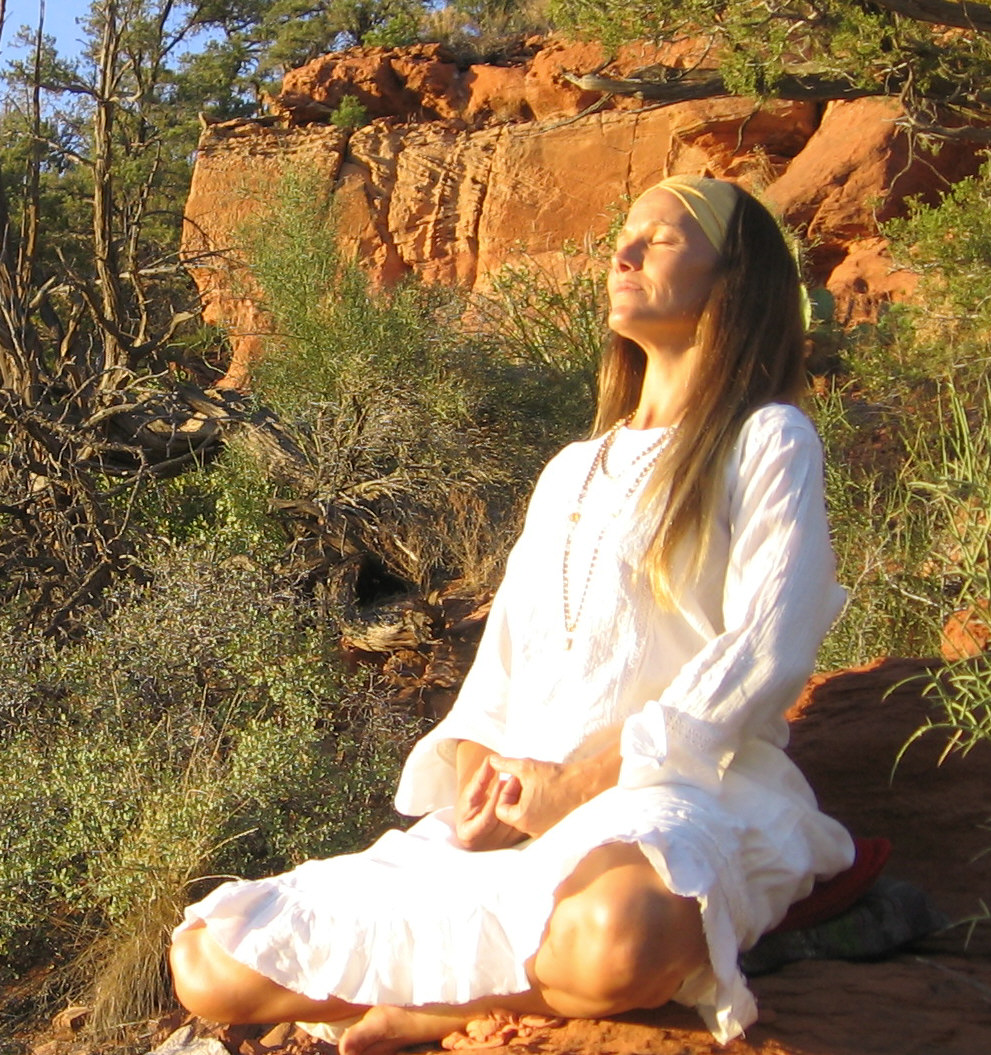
[609, 815]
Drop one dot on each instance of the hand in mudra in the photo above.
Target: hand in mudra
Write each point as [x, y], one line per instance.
[477, 824]
[534, 795]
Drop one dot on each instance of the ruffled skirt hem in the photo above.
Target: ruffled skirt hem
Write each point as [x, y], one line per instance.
[417, 920]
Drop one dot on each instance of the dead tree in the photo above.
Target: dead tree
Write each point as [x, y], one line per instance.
[85, 419]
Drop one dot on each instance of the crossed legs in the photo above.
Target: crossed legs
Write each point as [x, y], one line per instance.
[617, 939]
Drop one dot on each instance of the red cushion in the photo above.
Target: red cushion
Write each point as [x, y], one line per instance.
[836, 895]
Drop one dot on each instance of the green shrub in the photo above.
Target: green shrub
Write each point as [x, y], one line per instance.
[204, 730]
[546, 331]
[226, 504]
[439, 429]
[349, 113]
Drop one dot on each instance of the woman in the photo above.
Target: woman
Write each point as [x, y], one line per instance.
[616, 748]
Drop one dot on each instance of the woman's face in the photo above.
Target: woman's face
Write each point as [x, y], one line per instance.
[661, 273]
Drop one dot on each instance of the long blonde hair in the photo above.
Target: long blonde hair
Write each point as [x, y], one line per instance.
[751, 340]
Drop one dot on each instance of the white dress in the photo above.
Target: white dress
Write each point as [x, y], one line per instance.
[697, 696]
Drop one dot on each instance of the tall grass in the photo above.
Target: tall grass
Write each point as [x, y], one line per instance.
[882, 535]
[951, 470]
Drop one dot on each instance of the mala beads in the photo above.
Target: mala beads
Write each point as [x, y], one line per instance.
[646, 460]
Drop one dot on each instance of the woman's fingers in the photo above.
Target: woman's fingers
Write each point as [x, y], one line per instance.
[480, 787]
[510, 789]
[535, 795]
[516, 767]
[477, 825]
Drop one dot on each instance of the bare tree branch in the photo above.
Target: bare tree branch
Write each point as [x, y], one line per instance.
[958, 15]
[672, 87]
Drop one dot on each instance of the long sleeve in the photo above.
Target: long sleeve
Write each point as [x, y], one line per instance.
[779, 599]
[429, 780]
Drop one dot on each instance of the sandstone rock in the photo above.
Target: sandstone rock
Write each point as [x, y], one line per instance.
[744, 141]
[867, 280]
[428, 73]
[967, 633]
[858, 169]
[495, 93]
[453, 200]
[854, 172]
[365, 73]
[847, 732]
[548, 93]
[428, 189]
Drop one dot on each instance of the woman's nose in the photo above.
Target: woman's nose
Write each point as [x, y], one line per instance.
[624, 259]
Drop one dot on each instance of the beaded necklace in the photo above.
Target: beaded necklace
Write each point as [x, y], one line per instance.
[647, 459]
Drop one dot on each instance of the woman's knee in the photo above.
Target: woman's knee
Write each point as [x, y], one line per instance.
[203, 981]
[623, 940]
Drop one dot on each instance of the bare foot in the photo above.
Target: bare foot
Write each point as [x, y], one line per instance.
[385, 1029]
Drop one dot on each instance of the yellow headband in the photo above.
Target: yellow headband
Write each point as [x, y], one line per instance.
[710, 201]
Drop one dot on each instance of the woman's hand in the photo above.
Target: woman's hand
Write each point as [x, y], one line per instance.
[475, 822]
[536, 795]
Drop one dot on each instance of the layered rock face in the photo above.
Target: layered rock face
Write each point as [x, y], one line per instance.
[461, 168]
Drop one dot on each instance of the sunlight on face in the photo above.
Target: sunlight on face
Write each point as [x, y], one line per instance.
[661, 273]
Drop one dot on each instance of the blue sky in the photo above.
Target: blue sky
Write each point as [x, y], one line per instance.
[60, 21]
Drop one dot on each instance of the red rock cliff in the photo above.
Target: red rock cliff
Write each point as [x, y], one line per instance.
[461, 167]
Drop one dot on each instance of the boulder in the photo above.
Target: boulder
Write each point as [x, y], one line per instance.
[412, 83]
[851, 172]
[856, 170]
[495, 93]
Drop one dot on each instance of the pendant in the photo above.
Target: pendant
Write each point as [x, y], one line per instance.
[567, 643]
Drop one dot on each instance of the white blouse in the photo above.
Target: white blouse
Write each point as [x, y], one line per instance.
[696, 696]
[684, 688]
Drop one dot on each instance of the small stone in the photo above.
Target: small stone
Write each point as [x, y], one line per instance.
[275, 1040]
[279, 1036]
[166, 1025]
[185, 1042]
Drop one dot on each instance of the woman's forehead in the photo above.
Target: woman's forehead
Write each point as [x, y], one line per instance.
[654, 207]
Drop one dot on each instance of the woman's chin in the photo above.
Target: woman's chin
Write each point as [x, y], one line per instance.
[623, 324]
